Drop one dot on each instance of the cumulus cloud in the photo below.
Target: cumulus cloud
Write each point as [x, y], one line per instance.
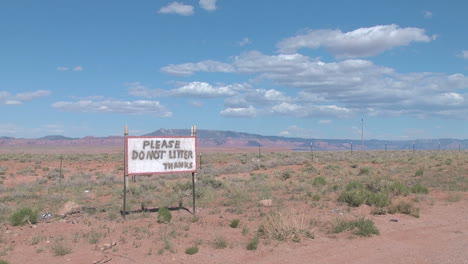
[14, 99]
[362, 42]
[209, 5]
[78, 68]
[115, 106]
[188, 69]
[177, 8]
[192, 89]
[310, 87]
[246, 112]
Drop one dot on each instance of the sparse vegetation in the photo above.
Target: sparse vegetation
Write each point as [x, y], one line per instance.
[164, 215]
[234, 223]
[60, 247]
[23, 216]
[230, 187]
[191, 250]
[404, 207]
[360, 227]
[253, 244]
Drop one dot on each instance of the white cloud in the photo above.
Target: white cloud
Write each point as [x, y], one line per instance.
[115, 106]
[209, 5]
[362, 42]
[202, 89]
[19, 98]
[310, 87]
[76, 68]
[28, 96]
[177, 8]
[9, 129]
[464, 54]
[192, 89]
[246, 112]
[244, 42]
[427, 14]
[188, 69]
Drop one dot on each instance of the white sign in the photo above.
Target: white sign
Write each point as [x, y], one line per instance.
[160, 155]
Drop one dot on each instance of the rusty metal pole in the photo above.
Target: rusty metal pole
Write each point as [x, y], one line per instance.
[194, 134]
[125, 172]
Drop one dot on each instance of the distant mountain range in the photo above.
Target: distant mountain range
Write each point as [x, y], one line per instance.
[231, 139]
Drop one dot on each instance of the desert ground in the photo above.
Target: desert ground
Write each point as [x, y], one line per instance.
[63, 205]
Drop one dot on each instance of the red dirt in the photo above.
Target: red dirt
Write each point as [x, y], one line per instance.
[440, 235]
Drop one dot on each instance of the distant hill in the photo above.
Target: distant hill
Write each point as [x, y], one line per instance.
[231, 139]
[218, 138]
[55, 137]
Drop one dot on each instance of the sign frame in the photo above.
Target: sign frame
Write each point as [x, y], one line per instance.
[128, 151]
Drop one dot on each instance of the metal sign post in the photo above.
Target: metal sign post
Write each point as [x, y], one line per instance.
[194, 134]
[125, 172]
[159, 155]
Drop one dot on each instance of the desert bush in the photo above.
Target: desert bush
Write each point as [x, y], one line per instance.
[4, 261]
[320, 181]
[191, 250]
[360, 227]
[234, 223]
[354, 185]
[364, 171]
[286, 174]
[454, 197]
[419, 173]
[419, 188]
[284, 226]
[164, 215]
[253, 243]
[379, 200]
[23, 216]
[220, 241]
[404, 208]
[60, 247]
[398, 188]
[354, 197]
[208, 180]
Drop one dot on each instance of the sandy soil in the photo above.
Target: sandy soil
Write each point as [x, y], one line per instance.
[440, 235]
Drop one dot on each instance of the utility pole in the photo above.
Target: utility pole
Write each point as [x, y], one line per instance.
[362, 134]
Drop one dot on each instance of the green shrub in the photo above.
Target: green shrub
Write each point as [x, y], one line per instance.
[164, 215]
[378, 199]
[418, 188]
[61, 248]
[404, 208]
[360, 227]
[364, 171]
[220, 242]
[354, 197]
[286, 175]
[398, 188]
[234, 223]
[320, 181]
[192, 250]
[419, 172]
[23, 216]
[4, 261]
[253, 244]
[354, 185]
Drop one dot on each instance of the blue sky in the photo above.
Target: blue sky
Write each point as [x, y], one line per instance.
[295, 68]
